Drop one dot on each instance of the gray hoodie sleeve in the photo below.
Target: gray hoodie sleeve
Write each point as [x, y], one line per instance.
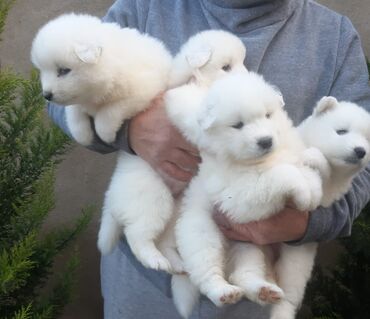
[124, 13]
[350, 83]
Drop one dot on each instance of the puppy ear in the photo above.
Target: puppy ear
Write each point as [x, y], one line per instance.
[88, 53]
[207, 118]
[326, 104]
[281, 98]
[198, 58]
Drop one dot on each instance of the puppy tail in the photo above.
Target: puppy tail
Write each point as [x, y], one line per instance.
[185, 295]
[109, 233]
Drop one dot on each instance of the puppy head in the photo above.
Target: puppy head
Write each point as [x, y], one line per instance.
[242, 118]
[207, 56]
[67, 52]
[341, 130]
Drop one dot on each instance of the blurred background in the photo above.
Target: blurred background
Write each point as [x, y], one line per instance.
[83, 176]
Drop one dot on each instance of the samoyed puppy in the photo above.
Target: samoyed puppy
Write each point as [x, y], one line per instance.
[137, 201]
[250, 168]
[98, 70]
[341, 131]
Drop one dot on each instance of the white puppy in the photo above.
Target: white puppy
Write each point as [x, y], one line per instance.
[250, 155]
[341, 131]
[207, 56]
[99, 70]
[137, 200]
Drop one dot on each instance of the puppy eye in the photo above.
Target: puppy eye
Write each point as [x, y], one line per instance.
[268, 115]
[342, 132]
[63, 71]
[238, 125]
[226, 67]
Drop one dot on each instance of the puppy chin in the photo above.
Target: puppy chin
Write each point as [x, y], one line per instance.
[251, 158]
[347, 163]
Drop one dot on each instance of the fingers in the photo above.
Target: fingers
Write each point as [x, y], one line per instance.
[176, 172]
[179, 141]
[221, 220]
[176, 187]
[232, 231]
[189, 148]
[185, 160]
[231, 234]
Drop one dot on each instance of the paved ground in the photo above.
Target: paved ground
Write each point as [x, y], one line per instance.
[83, 176]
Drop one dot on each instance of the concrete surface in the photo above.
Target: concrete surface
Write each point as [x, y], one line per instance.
[83, 176]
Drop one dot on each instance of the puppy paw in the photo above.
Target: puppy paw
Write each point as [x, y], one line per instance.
[83, 136]
[177, 266]
[270, 294]
[302, 198]
[154, 260]
[106, 134]
[225, 294]
[262, 291]
[79, 125]
[314, 159]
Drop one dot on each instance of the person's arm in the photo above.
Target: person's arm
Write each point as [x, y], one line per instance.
[350, 83]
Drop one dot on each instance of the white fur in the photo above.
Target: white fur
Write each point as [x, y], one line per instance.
[207, 56]
[329, 117]
[137, 197]
[236, 174]
[320, 130]
[114, 72]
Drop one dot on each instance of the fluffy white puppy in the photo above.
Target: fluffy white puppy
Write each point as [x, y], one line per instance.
[341, 131]
[207, 56]
[346, 128]
[137, 200]
[99, 70]
[249, 169]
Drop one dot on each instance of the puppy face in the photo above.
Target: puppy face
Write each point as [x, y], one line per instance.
[242, 118]
[208, 56]
[67, 58]
[341, 130]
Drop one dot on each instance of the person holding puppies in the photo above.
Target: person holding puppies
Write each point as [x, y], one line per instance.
[306, 50]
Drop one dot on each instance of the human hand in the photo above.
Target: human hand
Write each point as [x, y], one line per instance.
[158, 142]
[288, 225]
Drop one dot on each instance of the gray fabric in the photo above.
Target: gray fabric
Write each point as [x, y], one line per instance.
[301, 47]
[132, 292]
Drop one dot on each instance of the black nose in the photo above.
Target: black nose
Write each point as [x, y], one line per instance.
[48, 95]
[360, 152]
[265, 142]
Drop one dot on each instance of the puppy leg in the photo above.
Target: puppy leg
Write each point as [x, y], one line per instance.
[79, 125]
[109, 120]
[200, 244]
[167, 245]
[293, 270]
[313, 158]
[314, 183]
[247, 268]
[143, 205]
[109, 232]
[287, 181]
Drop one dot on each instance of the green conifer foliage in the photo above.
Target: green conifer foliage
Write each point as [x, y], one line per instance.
[29, 150]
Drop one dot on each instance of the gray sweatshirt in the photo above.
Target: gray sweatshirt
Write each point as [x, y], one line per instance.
[305, 49]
